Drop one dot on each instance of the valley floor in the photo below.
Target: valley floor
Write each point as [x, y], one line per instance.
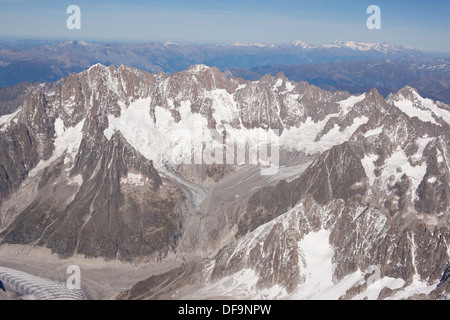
[100, 280]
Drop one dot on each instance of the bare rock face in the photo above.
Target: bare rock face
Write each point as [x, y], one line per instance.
[102, 219]
[273, 255]
[88, 202]
[336, 174]
[442, 290]
[162, 287]
[12, 97]
[19, 154]
[434, 190]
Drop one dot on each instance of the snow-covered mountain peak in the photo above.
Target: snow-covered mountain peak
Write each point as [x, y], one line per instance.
[171, 43]
[409, 101]
[302, 44]
[247, 44]
[198, 68]
[364, 46]
[96, 66]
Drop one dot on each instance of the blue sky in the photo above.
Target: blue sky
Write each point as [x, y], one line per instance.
[419, 24]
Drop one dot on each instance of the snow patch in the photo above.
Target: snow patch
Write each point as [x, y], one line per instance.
[347, 104]
[406, 106]
[78, 180]
[289, 86]
[317, 254]
[421, 144]
[431, 105]
[373, 290]
[279, 83]
[302, 138]
[416, 287]
[67, 140]
[373, 132]
[134, 179]
[336, 136]
[395, 167]
[241, 285]
[198, 67]
[5, 120]
[422, 108]
[432, 180]
[224, 106]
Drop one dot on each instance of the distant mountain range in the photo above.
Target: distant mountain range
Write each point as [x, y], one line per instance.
[352, 66]
[431, 77]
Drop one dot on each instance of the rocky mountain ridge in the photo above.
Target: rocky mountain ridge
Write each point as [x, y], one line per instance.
[100, 164]
[340, 65]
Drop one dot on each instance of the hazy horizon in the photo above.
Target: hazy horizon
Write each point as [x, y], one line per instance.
[413, 24]
[111, 41]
